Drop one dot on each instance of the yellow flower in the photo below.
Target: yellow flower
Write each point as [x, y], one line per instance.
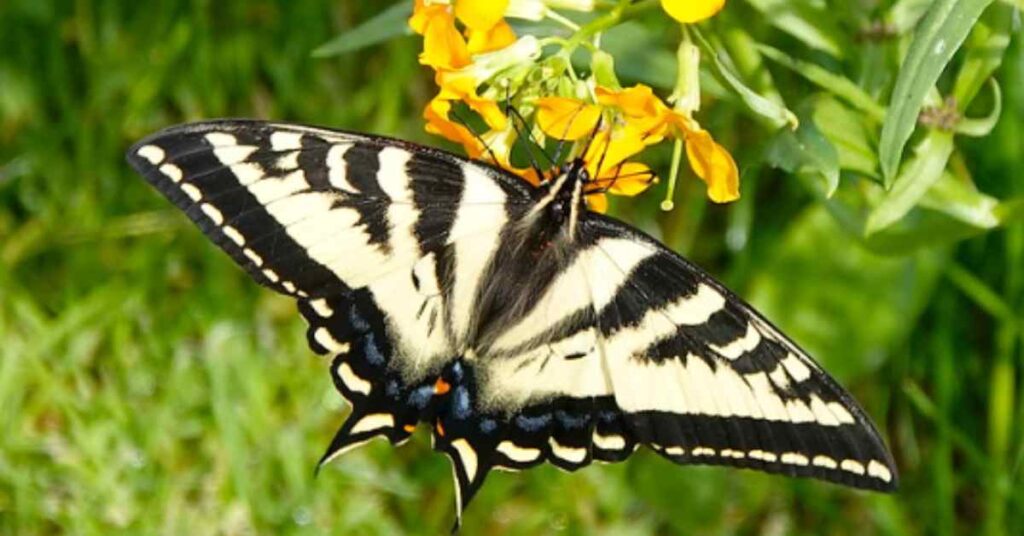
[605, 159]
[461, 86]
[690, 11]
[566, 119]
[709, 160]
[443, 45]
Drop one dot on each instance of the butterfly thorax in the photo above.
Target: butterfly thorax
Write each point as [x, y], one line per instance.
[563, 200]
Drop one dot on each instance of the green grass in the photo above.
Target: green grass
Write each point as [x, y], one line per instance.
[148, 387]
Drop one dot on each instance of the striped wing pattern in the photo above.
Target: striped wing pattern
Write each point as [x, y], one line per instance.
[445, 295]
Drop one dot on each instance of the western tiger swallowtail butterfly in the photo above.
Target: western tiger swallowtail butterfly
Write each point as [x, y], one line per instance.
[520, 326]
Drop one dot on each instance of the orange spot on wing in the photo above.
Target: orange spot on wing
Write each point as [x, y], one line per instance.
[441, 387]
[439, 428]
[410, 428]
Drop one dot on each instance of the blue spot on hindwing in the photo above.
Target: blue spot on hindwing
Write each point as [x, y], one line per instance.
[460, 401]
[359, 325]
[533, 424]
[421, 396]
[372, 351]
[571, 421]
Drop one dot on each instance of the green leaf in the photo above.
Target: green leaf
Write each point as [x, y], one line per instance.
[916, 177]
[774, 114]
[848, 133]
[938, 36]
[804, 20]
[806, 150]
[960, 199]
[839, 85]
[388, 24]
[984, 50]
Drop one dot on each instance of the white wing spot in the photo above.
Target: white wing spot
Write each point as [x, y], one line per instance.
[352, 380]
[609, 442]
[675, 451]
[271, 275]
[698, 308]
[794, 458]
[824, 461]
[852, 466]
[233, 234]
[289, 161]
[284, 141]
[321, 308]
[221, 139]
[172, 172]
[880, 471]
[248, 172]
[374, 421]
[703, 451]
[516, 453]
[569, 454]
[769, 457]
[796, 368]
[152, 153]
[324, 338]
[468, 457]
[289, 286]
[740, 346]
[253, 256]
[212, 213]
[840, 413]
[192, 192]
[735, 454]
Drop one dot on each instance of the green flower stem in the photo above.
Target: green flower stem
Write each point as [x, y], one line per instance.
[677, 158]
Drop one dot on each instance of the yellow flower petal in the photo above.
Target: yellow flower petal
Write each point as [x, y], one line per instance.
[690, 11]
[497, 37]
[443, 45]
[436, 116]
[641, 108]
[480, 15]
[605, 151]
[714, 165]
[629, 179]
[461, 85]
[566, 119]
[597, 202]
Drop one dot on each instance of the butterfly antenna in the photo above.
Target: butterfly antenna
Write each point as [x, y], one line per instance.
[590, 141]
[520, 129]
[479, 138]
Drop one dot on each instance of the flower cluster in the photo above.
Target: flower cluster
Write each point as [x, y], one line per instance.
[509, 82]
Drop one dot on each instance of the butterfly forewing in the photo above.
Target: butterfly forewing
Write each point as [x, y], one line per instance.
[445, 296]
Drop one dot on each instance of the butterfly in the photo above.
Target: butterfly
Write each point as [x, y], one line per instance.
[522, 327]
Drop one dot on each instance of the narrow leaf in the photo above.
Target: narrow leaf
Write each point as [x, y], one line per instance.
[775, 114]
[386, 25]
[839, 85]
[916, 177]
[938, 36]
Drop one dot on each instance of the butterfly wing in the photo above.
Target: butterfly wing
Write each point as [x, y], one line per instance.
[630, 344]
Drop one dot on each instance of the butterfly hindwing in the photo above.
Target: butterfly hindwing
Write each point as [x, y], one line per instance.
[445, 292]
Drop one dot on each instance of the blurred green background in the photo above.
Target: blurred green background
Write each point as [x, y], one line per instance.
[148, 387]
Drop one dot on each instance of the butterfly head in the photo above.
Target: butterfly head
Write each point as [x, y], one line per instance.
[564, 198]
